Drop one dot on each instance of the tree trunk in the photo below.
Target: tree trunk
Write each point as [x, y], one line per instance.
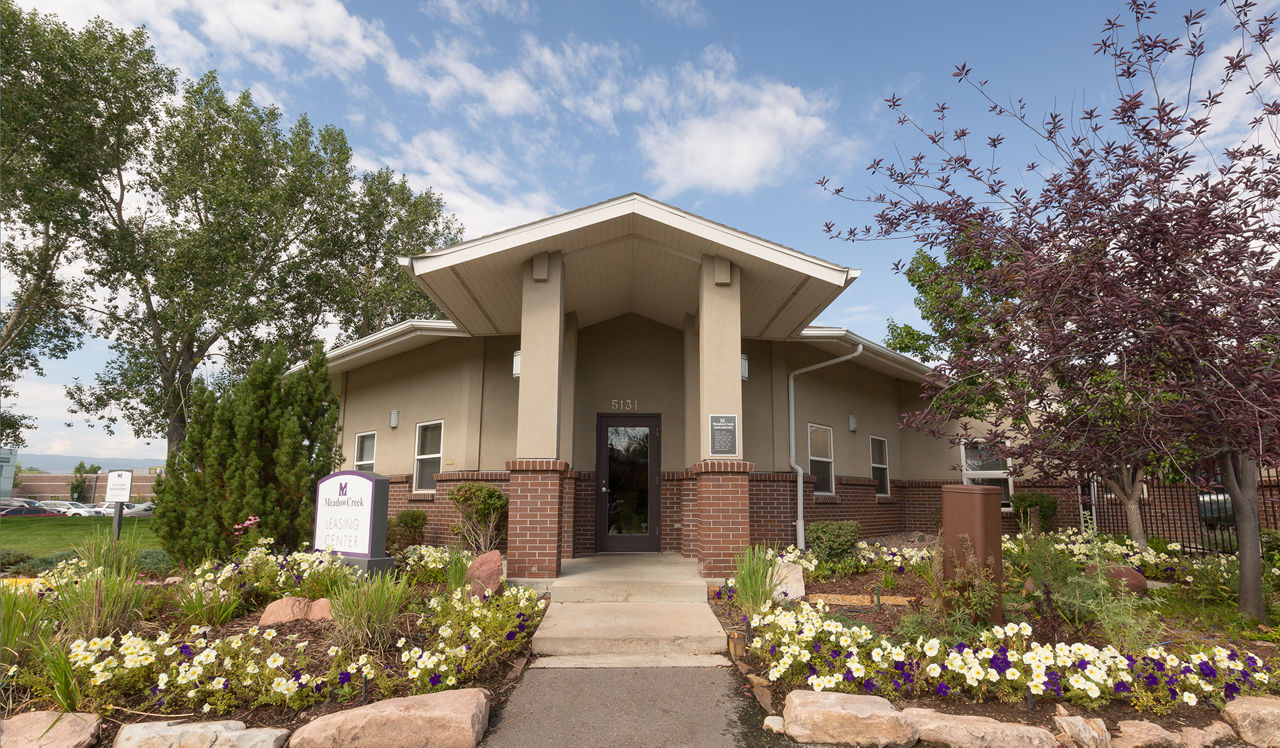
[176, 430]
[1240, 476]
[1127, 484]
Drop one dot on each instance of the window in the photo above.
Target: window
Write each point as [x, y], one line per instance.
[880, 464]
[821, 464]
[364, 451]
[426, 461]
[983, 467]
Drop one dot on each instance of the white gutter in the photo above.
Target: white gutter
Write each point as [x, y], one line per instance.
[791, 413]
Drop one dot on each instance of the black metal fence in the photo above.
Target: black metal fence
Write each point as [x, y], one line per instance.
[1200, 518]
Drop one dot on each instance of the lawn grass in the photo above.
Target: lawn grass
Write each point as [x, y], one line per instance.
[44, 536]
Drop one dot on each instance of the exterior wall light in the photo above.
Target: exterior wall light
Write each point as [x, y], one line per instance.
[853, 422]
[394, 420]
[515, 365]
[744, 367]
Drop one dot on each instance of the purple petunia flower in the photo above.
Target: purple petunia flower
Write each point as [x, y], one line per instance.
[943, 689]
[435, 679]
[1230, 691]
[1151, 680]
[1121, 687]
[344, 678]
[185, 650]
[511, 636]
[869, 684]
[1208, 670]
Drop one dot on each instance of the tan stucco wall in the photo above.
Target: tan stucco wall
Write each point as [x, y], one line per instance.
[498, 410]
[928, 458]
[636, 359]
[441, 381]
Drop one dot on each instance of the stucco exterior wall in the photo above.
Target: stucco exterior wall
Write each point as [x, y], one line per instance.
[629, 358]
[927, 457]
[498, 408]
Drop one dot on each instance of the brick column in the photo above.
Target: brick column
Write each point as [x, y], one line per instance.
[568, 515]
[724, 513]
[534, 491]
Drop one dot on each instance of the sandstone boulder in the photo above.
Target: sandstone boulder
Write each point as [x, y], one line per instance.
[790, 582]
[1211, 734]
[31, 730]
[1138, 734]
[1084, 733]
[775, 725]
[177, 734]
[320, 610]
[823, 717]
[448, 719]
[1256, 719]
[288, 609]
[1125, 576]
[485, 573]
[938, 729]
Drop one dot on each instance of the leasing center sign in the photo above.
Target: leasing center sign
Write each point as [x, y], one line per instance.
[345, 508]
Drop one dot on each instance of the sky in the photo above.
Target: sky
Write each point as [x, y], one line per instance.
[516, 110]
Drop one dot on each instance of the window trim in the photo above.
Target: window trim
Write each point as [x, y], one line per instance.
[417, 431]
[831, 442]
[355, 452]
[967, 474]
[872, 449]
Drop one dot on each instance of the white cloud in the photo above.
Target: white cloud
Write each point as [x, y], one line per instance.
[472, 12]
[586, 79]
[686, 12]
[46, 400]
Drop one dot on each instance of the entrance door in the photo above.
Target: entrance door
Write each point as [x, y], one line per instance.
[628, 457]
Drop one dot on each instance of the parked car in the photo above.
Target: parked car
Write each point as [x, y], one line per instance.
[72, 509]
[28, 511]
[29, 502]
[144, 509]
[1215, 508]
[7, 503]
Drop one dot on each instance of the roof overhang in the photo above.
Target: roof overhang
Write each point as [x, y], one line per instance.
[389, 341]
[837, 341]
[629, 254]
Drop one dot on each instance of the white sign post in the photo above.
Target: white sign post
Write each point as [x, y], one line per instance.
[119, 483]
[351, 518]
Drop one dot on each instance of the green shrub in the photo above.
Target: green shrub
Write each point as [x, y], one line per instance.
[755, 578]
[960, 604]
[207, 604]
[833, 541]
[1041, 506]
[455, 572]
[370, 613]
[155, 563]
[1157, 544]
[105, 597]
[1271, 547]
[36, 566]
[21, 625]
[845, 567]
[404, 530]
[484, 515]
[9, 558]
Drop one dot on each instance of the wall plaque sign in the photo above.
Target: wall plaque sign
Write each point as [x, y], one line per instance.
[351, 518]
[724, 435]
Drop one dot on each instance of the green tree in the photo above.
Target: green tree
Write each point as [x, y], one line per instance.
[381, 221]
[258, 449]
[73, 103]
[79, 483]
[217, 262]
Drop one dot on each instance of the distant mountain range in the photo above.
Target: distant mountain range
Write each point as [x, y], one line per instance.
[65, 463]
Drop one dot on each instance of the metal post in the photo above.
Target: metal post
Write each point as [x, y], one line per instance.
[116, 520]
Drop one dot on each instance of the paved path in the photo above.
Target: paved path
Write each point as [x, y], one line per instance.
[629, 707]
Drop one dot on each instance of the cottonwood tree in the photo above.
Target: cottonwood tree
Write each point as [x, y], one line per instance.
[1137, 266]
[73, 104]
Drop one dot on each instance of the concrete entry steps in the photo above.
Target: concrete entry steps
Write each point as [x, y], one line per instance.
[629, 610]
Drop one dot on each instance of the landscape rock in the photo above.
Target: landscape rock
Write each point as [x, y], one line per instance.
[1212, 734]
[1139, 734]
[964, 731]
[775, 724]
[288, 609]
[1126, 576]
[172, 580]
[178, 734]
[790, 582]
[824, 717]
[485, 573]
[1256, 719]
[1085, 733]
[448, 719]
[28, 730]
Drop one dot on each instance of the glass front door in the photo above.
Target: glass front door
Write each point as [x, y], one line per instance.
[628, 456]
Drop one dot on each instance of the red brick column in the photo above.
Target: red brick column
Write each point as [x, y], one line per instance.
[534, 493]
[568, 512]
[724, 513]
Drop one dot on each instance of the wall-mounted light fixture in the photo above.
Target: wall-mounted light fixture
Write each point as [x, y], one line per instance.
[515, 365]
[744, 367]
[394, 420]
[853, 422]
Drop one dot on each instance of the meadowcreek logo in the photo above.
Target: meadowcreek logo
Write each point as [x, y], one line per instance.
[342, 499]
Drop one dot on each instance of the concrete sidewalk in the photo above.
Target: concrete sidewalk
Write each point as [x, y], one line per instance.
[629, 707]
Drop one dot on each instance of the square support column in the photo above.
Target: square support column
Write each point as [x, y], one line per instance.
[724, 513]
[534, 494]
[719, 352]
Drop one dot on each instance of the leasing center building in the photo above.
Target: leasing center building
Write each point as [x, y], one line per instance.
[638, 379]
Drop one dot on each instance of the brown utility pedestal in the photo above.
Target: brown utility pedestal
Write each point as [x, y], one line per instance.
[973, 512]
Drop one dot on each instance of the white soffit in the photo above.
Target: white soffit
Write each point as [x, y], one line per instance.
[388, 341]
[838, 341]
[641, 254]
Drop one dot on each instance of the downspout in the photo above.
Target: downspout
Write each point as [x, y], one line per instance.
[791, 429]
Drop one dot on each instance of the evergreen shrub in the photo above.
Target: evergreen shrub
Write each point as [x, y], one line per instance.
[834, 541]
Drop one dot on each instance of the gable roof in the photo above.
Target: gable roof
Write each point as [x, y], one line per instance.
[628, 254]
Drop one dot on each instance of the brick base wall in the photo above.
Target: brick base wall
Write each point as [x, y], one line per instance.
[537, 493]
[724, 514]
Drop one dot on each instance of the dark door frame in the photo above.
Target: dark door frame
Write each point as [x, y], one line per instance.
[652, 542]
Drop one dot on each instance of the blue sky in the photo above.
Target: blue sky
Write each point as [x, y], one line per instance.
[516, 109]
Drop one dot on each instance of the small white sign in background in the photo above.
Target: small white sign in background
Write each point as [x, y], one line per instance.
[344, 513]
[119, 484]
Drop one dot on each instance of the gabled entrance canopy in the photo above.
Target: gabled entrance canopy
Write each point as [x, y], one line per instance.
[629, 254]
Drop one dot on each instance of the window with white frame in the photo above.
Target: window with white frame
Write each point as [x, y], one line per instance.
[983, 467]
[365, 445]
[880, 464]
[427, 455]
[821, 459]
